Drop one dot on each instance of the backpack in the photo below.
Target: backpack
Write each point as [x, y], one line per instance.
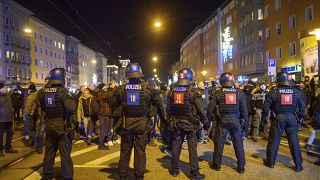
[5, 108]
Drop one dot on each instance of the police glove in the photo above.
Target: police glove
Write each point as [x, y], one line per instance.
[207, 125]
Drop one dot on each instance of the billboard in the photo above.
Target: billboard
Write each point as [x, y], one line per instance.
[309, 54]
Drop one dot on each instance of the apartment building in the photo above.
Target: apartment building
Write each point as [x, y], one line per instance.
[287, 26]
[47, 50]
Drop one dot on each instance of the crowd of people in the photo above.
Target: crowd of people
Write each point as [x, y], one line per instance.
[140, 113]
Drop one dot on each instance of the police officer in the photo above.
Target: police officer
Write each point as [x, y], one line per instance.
[56, 104]
[184, 107]
[284, 100]
[228, 106]
[136, 98]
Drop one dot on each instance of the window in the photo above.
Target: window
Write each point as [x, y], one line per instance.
[35, 48]
[8, 72]
[6, 21]
[277, 4]
[278, 28]
[292, 49]
[260, 57]
[17, 56]
[36, 62]
[6, 38]
[8, 54]
[41, 50]
[41, 75]
[260, 35]
[47, 52]
[40, 37]
[35, 35]
[0, 54]
[278, 53]
[229, 19]
[267, 55]
[266, 11]
[41, 63]
[252, 16]
[13, 55]
[37, 75]
[46, 39]
[292, 21]
[268, 33]
[62, 45]
[14, 72]
[0, 70]
[59, 45]
[260, 14]
[308, 13]
[55, 43]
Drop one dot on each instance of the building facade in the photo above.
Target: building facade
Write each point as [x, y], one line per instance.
[287, 26]
[87, 66]
[2, 58]
[191, 52]
[105, 69]
[99, 66]
[16, 39]
[72, 63]
[47, 50]
[112, 73]
[251, 36]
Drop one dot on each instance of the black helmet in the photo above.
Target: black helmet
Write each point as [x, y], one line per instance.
[226, 79]
[57, 76]
[284, 79]
[248, 89]
[133, 70]
[185, 76]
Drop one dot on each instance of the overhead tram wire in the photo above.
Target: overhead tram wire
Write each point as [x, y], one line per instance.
[90, 26]
[75, 24]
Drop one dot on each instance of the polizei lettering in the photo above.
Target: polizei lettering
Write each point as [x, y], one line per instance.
[229, 90]
[285, 91]
[50, 90]
[133, 86]
[180, 89]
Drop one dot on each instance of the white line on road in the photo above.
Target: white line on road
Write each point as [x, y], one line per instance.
[18, 139]
[103, 159]
[91, 166]
[77, 153]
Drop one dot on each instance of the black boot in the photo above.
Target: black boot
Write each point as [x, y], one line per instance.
[266, 163]
[298, 168]
[197, 176]
[174, 173]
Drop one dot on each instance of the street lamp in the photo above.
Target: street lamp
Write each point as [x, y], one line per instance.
[155, 58]
[154, 70]
[27, 30]
[155, 75]
[157, 24]
[93, 61]
[204, 73]
[316, 32]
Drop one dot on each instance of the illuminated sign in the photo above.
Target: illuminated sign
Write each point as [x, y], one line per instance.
[291, 69]
[226, 46]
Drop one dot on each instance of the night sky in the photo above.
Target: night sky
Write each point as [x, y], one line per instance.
[125, 27]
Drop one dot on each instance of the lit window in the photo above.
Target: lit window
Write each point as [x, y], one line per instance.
[260, 14]
[260, 35]
[62, 45]
[13, 55]
[292, 49]
[229, 19]
[55, 43]
[278, 53]
[8, 54]
[268, 33]
[277, 4]
[308, 13]
[59, 45]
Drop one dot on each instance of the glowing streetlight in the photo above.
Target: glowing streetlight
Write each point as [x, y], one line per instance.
[93, 61]
[155, 58]
[204, 73]
[316, 32]
[116, 72]
[154, 70]
[155, 75]
[27, 30]
[157, 24]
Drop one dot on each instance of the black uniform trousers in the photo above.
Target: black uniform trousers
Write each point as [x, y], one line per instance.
[284, 122]
[220, 136]
[177, 141]
[55, 141]
[137, 141]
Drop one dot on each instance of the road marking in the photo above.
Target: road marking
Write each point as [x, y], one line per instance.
[103, 159]
[77, 153]
[15, 162]
[18, 139]
[92, 166]
[36, 174]
[131, 163]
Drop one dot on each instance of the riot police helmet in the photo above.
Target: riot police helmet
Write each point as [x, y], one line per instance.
[133, 70]
[57, 76]
[185, 77]
[226, 79]
[284, 79]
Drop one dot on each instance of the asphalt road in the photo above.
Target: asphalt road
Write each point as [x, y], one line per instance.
[91, 163]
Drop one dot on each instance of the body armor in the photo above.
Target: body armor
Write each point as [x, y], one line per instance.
[181, 105]
[52, 103]
[228, 101]
[134, 104]
[285, 100]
